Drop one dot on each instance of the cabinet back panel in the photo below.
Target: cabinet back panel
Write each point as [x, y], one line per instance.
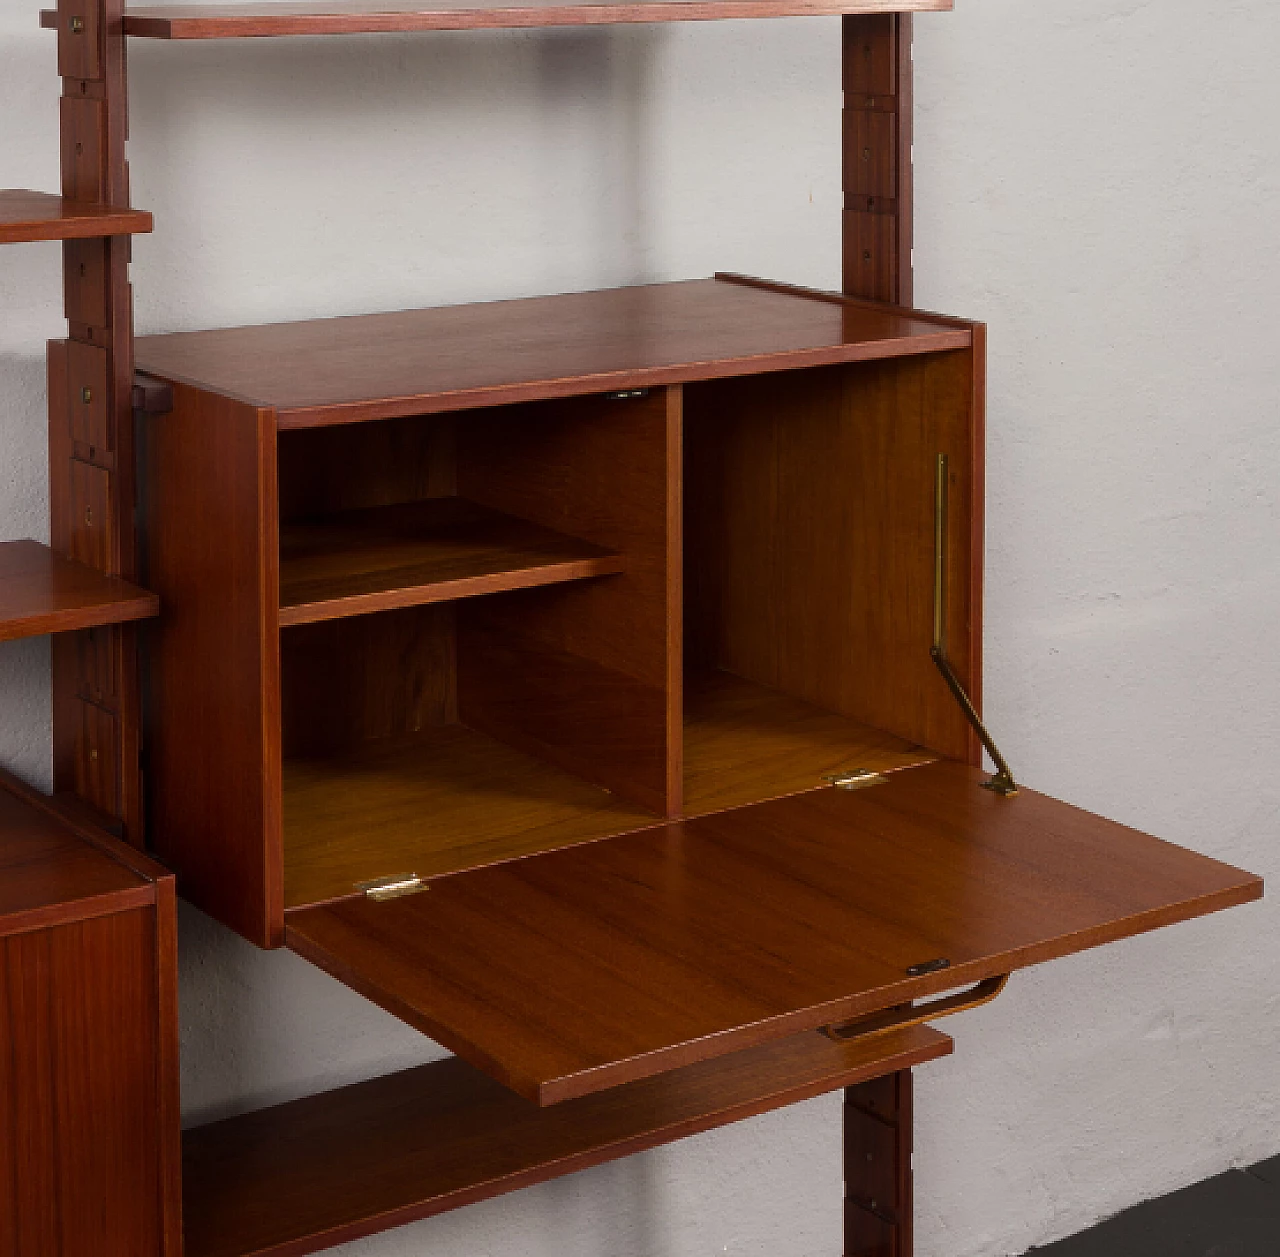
[370, 676]
[347, 468]
[810, 523]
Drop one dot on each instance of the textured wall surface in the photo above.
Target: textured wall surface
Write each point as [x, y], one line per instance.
[1099, 181]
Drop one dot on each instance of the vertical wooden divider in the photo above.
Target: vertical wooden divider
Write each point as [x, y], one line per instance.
[96, 728]
[877, 243]
[588, 676]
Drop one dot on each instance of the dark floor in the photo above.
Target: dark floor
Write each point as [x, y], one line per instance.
[1236, 1214]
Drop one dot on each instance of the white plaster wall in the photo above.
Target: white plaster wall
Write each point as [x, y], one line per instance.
[1099, 181]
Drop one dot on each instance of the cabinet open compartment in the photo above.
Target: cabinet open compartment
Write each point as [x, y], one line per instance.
[535, 753]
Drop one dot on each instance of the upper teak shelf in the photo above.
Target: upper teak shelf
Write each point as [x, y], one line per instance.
[26, 216]
[353, 17]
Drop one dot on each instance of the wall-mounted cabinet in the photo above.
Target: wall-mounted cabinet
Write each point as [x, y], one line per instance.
[531, 635]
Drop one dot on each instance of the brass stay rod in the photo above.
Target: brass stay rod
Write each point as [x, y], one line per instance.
[1002, 783]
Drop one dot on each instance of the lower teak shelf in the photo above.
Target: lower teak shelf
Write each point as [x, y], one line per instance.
[334, 1167]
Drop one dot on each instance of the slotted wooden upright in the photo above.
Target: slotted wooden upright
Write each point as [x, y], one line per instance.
[605, 707]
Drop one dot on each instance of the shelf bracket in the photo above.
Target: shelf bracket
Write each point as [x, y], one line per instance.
[908, 1015]
[1002, 783]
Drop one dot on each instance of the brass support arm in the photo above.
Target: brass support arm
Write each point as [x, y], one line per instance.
[1002, 783]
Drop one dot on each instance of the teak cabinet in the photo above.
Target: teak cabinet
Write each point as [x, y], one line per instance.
[593, 681]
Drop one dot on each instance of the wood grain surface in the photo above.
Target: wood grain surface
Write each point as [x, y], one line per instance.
[50, 875]
[348, 17]
[744, 743]
[379, 366]
[29, 216]
[611, 961]
[79, 1104]
[809, 532]
[586, 675]
[43, 592]
[416, 553]
[210, 550]
[431, 803]
[334, 1167]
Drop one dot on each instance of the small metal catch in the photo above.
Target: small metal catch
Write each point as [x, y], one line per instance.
[855, 779]
[929, 966]
[392, 887]
[628, 394]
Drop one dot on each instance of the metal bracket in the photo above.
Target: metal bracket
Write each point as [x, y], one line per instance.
[1002, 783]
[381, 888]
[855, 778]
[917, 1014]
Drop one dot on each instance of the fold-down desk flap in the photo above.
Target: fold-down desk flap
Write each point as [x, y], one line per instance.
[566, 973]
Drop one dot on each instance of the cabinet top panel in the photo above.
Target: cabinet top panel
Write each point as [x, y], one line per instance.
[49, 874]
[353, 17]
[379, 366]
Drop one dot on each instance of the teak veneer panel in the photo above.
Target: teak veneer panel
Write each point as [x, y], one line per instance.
[606, 962]
[331, 1168]
[43, 592]
[210, 549]
[421, 552]
[89, 1123]
[350, 17]
[585, 676]
[49, 875]
[28, 216]
[380, 366]
[744, 743]
[431, 803]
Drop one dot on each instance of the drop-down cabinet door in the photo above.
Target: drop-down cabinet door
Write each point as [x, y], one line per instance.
[569, 972]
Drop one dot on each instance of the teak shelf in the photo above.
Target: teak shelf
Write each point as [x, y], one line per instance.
[591, 680]
[302, 1176]
[354, 17]
[43, 592]
[30, 216]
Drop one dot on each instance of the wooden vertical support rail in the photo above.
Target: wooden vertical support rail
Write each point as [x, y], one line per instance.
[877, 157]
[877, 243]
[877, 1158]
[96, 718]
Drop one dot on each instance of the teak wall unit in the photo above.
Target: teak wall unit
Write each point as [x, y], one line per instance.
[606, 707]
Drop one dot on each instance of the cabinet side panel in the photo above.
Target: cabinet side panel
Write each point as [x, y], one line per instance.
[208, 479]
[586, 675]
[810, 555]
[79, 1123]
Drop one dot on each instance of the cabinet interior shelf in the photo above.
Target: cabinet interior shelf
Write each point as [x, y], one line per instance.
[27, 216]
[43, 592]
[331, 1168]
[353, 17]
[416, 553]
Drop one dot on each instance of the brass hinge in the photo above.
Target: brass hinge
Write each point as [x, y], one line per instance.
[855, 779]
[1002, 783]
[392, 887]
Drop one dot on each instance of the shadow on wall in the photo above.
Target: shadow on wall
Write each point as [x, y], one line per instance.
[542, 138]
